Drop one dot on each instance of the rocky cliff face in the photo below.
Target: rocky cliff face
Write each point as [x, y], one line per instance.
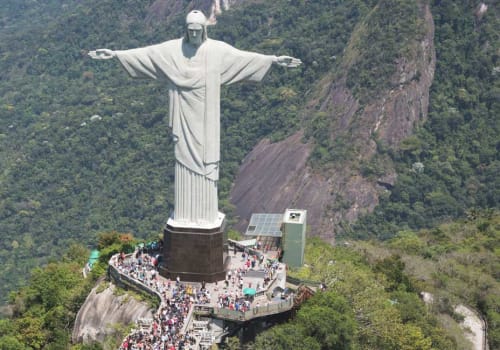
[102, 310]
[165, 9]
[277, 176]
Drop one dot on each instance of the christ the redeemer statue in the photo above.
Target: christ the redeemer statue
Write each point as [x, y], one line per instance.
[193, 69]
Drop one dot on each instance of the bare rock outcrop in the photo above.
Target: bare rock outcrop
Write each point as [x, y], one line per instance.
[341, 193]
[104, 309]
[282, 169]
[165, 9]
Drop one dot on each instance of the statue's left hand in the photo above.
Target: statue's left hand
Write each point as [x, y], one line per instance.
[287, 61]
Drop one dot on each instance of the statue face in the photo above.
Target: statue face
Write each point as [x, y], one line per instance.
[195, 34]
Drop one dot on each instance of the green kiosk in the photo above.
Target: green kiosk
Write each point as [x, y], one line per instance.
[285, 232]
[293, 240]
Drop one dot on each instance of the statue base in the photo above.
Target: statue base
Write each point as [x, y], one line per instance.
[195, 254]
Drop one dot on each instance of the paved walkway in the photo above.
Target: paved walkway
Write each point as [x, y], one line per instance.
[173, 327]
[473, 326]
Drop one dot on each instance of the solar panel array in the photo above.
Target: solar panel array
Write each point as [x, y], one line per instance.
[265, 225]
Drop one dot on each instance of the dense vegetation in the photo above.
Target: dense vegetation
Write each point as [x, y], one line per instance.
[44, 311]
[373, 290]
[457, 262]
[371, 300]
[381, 40]
[85, 149]
[370, 306]
[452, 163]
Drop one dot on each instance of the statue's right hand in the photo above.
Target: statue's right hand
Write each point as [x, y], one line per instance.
[102, 54]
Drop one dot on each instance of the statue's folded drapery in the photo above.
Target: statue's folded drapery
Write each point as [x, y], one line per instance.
[193, 76]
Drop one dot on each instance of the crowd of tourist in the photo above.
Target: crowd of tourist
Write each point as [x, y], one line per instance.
[164, 332]
[177, 297]
[176, 300]
[233, 302]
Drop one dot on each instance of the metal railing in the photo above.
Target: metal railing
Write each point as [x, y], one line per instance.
[297, 281]
[256, 311]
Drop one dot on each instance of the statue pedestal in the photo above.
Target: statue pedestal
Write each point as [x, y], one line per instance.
[195, 253]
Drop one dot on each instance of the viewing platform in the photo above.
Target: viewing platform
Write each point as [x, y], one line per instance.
[270, 308]
[255, 287]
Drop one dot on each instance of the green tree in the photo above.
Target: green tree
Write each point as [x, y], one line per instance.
[232, 343]
[31, 332]
[393, 268]
[10, 342]
[328, 318]
[285, 337]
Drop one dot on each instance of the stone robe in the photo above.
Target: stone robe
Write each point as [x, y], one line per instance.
[193, 76]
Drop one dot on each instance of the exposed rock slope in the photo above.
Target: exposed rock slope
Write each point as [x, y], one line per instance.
[102, 310]
[282, 167]
[165, 9]
[341, 193]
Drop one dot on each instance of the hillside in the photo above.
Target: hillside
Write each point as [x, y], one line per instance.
[405, 123]
[372, 297]
[374, 96]
[79, 153]
[451, 163]
[457, 262]
[83, 149]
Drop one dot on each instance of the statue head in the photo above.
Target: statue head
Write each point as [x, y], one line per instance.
[196, 27]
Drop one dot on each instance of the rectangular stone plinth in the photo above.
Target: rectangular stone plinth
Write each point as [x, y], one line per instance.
[194, 254]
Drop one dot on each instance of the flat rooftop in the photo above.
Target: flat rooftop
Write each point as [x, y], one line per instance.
[265, 225]
[295, 216]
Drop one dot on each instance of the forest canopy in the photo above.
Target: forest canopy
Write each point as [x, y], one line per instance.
[83, 150]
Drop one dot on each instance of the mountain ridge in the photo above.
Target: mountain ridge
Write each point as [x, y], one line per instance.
[86, 150]
[388, 120]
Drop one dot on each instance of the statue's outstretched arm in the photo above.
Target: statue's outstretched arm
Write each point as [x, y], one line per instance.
[102, 54]
[287, 61]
